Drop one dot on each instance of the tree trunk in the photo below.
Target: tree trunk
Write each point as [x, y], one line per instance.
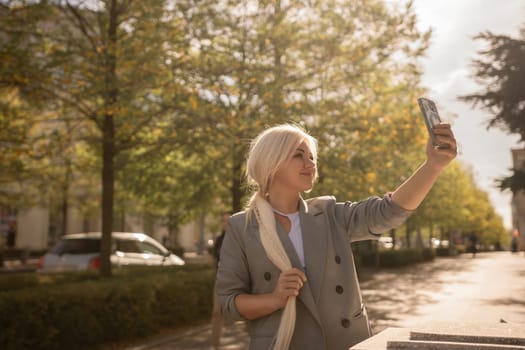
[407, 234]
[67, 178]
[202, 226]
[419, 239]
[430, 235]
[277, 93]
[108, 179]
[122, 223]
[236, 189]
[108, 148]
[393, 235]
[441, 236]
[65, 199]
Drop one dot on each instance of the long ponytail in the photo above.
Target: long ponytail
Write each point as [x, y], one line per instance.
[274, 249]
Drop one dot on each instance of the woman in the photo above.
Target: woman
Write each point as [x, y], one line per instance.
[286, 265]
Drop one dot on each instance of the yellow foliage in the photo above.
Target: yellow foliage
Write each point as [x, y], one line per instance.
[193, 102]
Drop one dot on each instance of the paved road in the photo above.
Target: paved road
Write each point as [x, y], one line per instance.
[484, 289]
[487, 288]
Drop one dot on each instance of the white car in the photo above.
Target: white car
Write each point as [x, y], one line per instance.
[81, 251]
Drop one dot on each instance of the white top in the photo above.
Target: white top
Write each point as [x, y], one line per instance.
[295, 234]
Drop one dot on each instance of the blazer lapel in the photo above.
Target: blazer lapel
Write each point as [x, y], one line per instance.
[315, 241]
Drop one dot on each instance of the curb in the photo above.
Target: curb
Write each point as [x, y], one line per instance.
[170, 338]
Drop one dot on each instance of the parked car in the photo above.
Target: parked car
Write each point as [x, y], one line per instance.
[386, 242]
[81, 251]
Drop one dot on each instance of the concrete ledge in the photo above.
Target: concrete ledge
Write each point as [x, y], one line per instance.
[380, 340]
[448, 336]
[440, 345]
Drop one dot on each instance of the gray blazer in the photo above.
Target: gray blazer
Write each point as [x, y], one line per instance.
[330, 311]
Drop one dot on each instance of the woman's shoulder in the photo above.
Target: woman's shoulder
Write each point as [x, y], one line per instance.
[320, 204]
[240, 219]
[240, 215]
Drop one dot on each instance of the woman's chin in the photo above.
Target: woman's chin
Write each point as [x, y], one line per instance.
[308, 188]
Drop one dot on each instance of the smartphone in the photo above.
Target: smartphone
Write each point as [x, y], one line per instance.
[431, 116]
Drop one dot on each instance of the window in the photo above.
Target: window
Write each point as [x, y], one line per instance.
[77, 246]
[128, 246]
[148, 248]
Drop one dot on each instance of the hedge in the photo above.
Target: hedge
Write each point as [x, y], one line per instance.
[396, 257]
[81, 311]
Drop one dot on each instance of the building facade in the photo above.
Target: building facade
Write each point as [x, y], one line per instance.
[37, 231]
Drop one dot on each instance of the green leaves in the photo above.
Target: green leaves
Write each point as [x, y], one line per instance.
[172, 93]
[501, 68]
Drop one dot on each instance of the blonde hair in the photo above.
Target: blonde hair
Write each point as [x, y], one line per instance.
[268, 152]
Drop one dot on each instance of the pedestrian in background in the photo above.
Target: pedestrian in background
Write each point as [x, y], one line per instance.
[217, 321]
[514, 244]
[286, 265]
[473, 238]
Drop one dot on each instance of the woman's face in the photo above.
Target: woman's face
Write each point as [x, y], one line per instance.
[298, 172]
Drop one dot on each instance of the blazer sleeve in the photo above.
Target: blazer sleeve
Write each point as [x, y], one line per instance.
[233, 277]
[369, 218]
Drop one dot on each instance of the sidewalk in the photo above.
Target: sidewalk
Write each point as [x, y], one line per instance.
[234, 337]
[484, 289]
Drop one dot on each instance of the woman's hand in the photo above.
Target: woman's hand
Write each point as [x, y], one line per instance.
[253, 306]
[440, 156]
[289, 284]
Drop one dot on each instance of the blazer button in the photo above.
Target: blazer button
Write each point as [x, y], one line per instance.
[337, 259]
[345, 322]
[267, 276]
[339, 289]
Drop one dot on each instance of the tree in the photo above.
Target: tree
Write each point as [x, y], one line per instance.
[16, 65]
[456, 203]
[13, 140]
[168, 94]
[501, 69]
[118, 67]
[270, 62]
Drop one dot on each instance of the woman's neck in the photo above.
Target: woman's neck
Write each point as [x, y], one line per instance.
[283, 201]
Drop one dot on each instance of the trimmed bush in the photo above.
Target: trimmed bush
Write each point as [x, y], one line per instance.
[74, 314]
[397, 257]
[26, 280]
[442, 251]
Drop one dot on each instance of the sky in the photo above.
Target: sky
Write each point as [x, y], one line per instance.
[448, 73]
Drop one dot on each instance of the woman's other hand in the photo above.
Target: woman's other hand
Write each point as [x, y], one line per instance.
[289, 284]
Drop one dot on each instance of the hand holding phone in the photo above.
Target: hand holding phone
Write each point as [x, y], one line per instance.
[431, 116]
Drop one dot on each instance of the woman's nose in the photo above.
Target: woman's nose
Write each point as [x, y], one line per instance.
[309, 163]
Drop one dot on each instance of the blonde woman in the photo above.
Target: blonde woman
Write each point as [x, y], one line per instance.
[286, 264]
